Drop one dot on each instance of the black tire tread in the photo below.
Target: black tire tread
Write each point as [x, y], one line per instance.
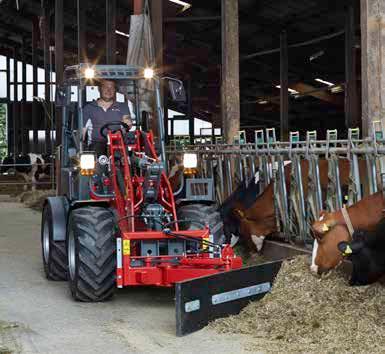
[95, 280]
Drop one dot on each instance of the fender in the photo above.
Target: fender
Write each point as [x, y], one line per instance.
[59, 210]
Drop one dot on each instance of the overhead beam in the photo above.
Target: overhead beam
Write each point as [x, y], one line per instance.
[230, 101]
[321, 94]
[373, 59]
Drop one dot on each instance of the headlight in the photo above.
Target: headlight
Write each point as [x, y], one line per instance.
[87, 161]
[148, 73]
[190, 160]
[89, 73]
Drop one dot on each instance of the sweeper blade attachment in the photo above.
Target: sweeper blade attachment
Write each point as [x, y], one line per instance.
[201, 300]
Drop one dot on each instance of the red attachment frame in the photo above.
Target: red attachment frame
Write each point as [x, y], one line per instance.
[164, 270]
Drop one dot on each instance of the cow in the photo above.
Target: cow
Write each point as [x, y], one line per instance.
[31, 167]
[366, 251]
[257, 221]
[331, 229]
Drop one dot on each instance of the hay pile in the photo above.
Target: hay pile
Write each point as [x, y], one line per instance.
[304, 313]
[35, 199]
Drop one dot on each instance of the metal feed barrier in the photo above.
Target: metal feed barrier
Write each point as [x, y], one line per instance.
[266, 159]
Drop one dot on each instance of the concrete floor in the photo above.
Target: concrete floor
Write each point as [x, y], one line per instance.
[44, 319]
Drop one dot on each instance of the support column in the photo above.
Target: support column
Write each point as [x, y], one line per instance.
[9, 104]
[23, 102]
[15, 111]
[82, 30]
[190, 111]
[35, 119]
[373, 59]
[230, 105]
[351, 106]
[46, 45]
[110, 31]
[138, 7]
[156, 8]
[59, 62]
[284, 92]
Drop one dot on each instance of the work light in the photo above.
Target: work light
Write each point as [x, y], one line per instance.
[87, 164]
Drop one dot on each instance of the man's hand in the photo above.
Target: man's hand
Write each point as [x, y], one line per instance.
[127, 119]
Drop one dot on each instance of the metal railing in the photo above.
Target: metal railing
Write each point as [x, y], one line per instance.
[298, 202]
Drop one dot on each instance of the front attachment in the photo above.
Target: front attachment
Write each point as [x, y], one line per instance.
[201, 300]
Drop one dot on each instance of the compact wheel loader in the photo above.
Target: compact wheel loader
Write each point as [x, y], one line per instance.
[115, 221]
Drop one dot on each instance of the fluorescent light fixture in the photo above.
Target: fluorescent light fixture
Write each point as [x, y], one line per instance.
[122, 33]
[148, 73]
[324, 82]
[89, 73]
[263, 102]
[294, 92]
[182, 3]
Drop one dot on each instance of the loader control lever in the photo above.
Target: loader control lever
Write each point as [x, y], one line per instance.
[113, 126]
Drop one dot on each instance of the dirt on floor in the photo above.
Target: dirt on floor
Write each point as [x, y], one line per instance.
[309, 314]
[8, 341]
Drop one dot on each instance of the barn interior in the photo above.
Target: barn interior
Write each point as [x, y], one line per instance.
[311, 47]
[274, 90]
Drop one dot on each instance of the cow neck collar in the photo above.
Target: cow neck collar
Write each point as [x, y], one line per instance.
[348, 222]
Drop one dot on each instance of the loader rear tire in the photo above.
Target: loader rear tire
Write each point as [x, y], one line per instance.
[53, 252]
[91, 249]
[202, 214]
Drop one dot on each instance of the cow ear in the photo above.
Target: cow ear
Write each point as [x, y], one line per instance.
[344, 248]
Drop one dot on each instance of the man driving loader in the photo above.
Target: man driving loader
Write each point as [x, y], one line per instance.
[102, 111]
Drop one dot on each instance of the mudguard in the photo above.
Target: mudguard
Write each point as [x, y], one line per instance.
[59, 210]
[201, 300]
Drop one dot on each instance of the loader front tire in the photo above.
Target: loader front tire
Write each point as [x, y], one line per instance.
[200, 214]
[91, 249]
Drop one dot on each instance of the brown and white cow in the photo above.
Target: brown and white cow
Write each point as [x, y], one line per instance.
[331, 229]
[257, 221]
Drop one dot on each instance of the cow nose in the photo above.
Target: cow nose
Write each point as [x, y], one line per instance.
[314, 268]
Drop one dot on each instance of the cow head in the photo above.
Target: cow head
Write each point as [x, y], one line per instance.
[324, 224]
[326, 254]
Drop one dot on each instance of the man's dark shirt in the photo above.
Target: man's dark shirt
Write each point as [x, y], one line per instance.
[94, 117]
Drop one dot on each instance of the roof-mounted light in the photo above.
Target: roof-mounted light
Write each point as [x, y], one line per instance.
[148, 73]
[89, 73]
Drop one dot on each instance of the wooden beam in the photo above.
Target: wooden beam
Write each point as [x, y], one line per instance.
[59, 61]
[35, 120]
[23, 113]
[82, 30]
[321, 94]
[230, 102]
[110, 31]
[373, 58]
[138, 7]
[47, 56]
[284, 94]
[351, 106]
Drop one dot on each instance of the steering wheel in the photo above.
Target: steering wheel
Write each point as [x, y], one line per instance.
[109, 126]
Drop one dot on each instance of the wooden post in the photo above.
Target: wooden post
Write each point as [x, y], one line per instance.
[230, 104]
[351, 106]
[15, 113]
[110, 31]
[284, 94]
[373, 59]
[35, 120]
[82, 30]
[23, 102]
[59, 62]
[47, 54]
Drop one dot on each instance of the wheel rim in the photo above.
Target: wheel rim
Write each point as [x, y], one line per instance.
[46, 241]
[71, 254]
